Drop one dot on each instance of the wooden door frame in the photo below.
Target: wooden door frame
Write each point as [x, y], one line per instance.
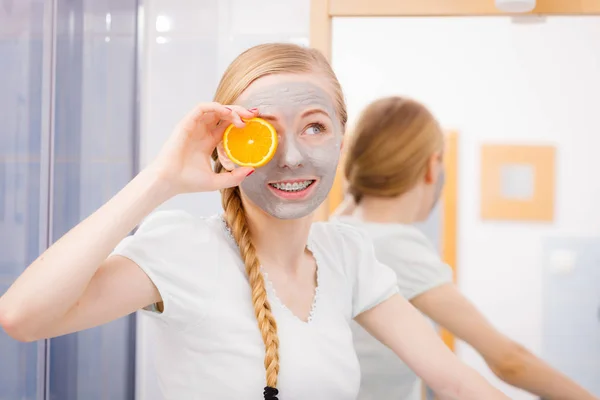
[322, 13]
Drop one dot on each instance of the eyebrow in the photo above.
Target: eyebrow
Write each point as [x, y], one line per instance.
[305, 114]
[315, 111]
[268, 117]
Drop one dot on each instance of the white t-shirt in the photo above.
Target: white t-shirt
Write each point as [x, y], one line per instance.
[208, 342]
[414, 259]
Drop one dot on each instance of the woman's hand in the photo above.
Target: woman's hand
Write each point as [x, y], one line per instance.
[184, 162]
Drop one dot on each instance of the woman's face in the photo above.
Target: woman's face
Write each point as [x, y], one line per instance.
[300, 175]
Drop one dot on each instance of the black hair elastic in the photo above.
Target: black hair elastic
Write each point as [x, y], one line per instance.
[271, 393]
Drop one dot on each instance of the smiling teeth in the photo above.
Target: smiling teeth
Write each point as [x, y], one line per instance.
[292, 187]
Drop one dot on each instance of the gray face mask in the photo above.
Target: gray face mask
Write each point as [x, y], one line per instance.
[310, 139]
[439, 186]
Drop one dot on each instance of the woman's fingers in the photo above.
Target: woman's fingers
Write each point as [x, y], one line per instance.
[238, 115]
[233, 178]
[243, 112]
[216, 117]
[234, 118]
[203, 113]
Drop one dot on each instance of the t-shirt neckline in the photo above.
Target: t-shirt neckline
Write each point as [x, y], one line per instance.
[271, 288]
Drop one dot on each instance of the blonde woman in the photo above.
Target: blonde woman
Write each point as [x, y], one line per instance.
[395, 177]
[255, 302]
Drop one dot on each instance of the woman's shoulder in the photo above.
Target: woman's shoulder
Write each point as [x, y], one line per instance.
[351, 251]
[402, 238]
[177, 222]
[182, 254]
[174, 233]
[345, 245]
[408, 252]
[340, 234]
[377, 230]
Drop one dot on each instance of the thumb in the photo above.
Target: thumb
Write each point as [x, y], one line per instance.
[232, 178]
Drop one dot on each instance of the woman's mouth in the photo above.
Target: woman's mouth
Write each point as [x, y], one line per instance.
[293, 189]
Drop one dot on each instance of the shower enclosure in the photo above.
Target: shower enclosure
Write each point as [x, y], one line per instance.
[68, 123]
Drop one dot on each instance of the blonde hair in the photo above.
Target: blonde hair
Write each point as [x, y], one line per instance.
[257, 62]
[390, 148]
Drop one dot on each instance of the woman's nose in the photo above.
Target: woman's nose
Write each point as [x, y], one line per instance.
[291, 156]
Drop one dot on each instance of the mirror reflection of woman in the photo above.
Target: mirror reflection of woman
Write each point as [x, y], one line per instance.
[254, 303]
[395, 177]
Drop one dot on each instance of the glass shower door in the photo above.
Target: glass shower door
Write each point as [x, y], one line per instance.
[23, 175]
[94, 148]
[68, 114]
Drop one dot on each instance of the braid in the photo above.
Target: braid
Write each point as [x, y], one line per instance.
[236, 220]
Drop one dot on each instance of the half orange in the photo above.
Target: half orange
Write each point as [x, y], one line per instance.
[251, 146]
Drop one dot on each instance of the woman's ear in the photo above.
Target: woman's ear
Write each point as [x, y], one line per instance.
[345, 139]
[225, 161]
[433, 165]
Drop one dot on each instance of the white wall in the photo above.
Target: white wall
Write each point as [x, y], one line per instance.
[182, 67]
[494, 81]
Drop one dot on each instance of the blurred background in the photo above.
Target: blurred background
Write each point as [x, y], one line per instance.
[90, 89]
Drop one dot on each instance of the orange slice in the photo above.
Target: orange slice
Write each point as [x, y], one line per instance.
[251, 146]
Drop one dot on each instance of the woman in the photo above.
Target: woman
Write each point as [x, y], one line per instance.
[210, 281]
[395, 177]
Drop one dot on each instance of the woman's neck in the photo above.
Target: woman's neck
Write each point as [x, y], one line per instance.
[278, 242]
[400, 210]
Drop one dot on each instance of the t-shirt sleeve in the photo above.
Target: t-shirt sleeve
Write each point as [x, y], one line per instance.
[417, 272]
[165, 247]
[372, 282]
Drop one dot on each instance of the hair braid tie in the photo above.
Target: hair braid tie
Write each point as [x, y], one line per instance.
[271, 393]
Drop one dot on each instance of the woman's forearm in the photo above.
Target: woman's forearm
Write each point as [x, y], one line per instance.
[468, 384]
[474, 386]
[55, 281]
[510, 361]
[524, 370]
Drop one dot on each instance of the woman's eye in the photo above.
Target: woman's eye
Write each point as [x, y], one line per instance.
[314, 129]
